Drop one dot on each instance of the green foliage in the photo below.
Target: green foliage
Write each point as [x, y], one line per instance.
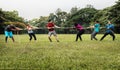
[40, 22]
[13, 16]
[83, 16]
[86, 16]
[115, 13]
[10, 17]
[110, 13]
[102, 16]
[17, 24]
[73, 10]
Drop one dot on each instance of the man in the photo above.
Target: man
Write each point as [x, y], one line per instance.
[50, 26]
[109, 30]
[8, 32]
[96, 30]
[80, 31]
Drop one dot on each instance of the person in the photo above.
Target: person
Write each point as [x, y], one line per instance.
[109, 30]
[51, 27]
[80, 31]
[9, 33]
[96, 30]
[30, 32]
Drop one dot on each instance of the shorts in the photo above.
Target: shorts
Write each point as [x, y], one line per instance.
[10, 34]
[52, 32]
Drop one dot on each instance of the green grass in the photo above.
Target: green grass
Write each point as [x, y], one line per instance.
[64, 55]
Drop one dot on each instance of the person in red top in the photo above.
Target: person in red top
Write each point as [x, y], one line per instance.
[50, 26]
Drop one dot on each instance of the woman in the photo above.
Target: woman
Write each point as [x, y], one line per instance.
[80, 31]
[30, 32]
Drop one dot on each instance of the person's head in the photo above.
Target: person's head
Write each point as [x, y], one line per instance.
[11, 25]
[96, 21]
[109, 22]
[28, 25]
[49, 20]
[75, 24]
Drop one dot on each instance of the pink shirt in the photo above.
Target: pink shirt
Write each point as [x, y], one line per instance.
[79, 27]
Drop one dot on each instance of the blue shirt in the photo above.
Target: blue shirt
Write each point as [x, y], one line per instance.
[109, 27]
[97, 27]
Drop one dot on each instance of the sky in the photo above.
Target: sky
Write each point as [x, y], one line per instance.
[30, 9]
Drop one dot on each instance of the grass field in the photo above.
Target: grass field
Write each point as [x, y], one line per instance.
[64, 55]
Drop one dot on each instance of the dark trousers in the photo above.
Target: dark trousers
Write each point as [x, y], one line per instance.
[79, 35]
[32, 35]
[93, 35]
[111, 33]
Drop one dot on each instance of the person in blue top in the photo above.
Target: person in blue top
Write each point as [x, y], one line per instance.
[109, 30]
[96, 30]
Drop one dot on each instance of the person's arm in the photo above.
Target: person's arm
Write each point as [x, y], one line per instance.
[47, 26]
[90, 27]
[50, 27]
[56, 26]
[18, 28]
[13, 28]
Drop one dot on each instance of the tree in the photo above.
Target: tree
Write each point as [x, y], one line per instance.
[83, 16]
[13, 16]
[73, 10]
[115, 13]
[59, 17]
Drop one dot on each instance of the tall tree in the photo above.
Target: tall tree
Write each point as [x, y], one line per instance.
[115, 13]
[73, 10]
[83, 16]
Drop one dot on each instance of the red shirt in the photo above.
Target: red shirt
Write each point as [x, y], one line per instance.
[51, 25]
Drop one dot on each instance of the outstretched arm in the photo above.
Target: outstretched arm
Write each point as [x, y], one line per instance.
[57, 26]
[90, 27]
[18, 28]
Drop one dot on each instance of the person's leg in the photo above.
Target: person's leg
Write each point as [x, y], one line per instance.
[6, 36]
[49, 36]
[34, 36]
[104, 36]
[55, 35]
[77, 36]
[6, 39]
[11, 36]
[13, 39]
[94, 36]
[112, 34]
[30, 35]
[80, 34]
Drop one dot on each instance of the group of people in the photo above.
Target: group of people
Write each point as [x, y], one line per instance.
[51, 28]
[109, 30]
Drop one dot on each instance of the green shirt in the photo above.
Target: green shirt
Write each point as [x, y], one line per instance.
[97, 27]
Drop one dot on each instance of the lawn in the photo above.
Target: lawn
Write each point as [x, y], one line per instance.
[64, 55]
